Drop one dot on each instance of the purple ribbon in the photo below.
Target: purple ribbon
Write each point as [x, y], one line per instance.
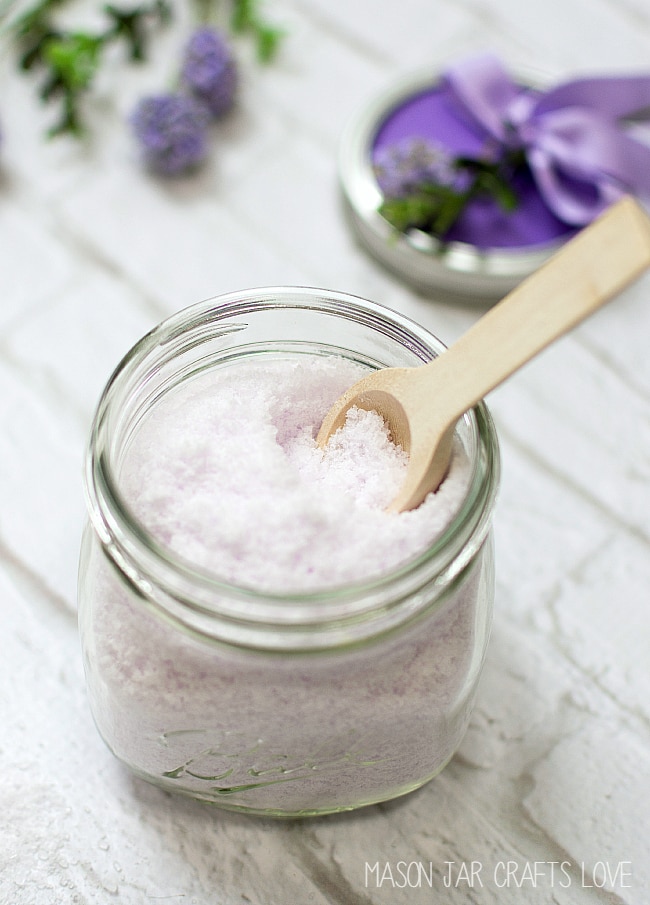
[572, 136]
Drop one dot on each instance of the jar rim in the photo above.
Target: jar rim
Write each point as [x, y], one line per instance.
[179, 586]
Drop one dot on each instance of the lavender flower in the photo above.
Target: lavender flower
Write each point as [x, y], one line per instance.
[172, 131]
[209, 70]
[403, 168]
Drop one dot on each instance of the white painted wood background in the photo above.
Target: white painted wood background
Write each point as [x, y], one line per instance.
[93, 252]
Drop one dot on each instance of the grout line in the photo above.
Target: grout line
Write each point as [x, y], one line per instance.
[333, 28]
[608, 361]
[46, 386]
[560, 477]
[629, 11]
[28, 580]
[327, 877]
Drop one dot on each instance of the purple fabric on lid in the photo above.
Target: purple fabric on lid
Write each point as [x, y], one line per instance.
[434, 115]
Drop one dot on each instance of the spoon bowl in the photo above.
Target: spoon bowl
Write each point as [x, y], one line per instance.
[421, 405]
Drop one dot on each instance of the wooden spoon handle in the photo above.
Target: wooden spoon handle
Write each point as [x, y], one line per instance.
[588, 271]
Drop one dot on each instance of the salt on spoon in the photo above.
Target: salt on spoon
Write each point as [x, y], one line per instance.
[421, 405]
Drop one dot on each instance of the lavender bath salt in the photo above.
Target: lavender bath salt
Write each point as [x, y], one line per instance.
[227, 474]
[258, 631]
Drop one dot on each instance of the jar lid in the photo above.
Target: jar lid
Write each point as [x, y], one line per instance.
[484, 260]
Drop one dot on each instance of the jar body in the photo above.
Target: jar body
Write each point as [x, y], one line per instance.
[282, 707]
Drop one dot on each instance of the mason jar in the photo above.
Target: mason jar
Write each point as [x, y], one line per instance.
[290, 703]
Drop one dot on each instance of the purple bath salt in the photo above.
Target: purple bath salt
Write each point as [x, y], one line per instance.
[225, 473]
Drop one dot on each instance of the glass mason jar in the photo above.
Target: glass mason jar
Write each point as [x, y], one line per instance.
[281, 704]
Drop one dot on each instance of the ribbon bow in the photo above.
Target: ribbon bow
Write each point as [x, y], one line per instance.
[572, 136]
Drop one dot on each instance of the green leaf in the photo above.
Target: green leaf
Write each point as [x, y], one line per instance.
[70, 121]
[243, 15]
[36, 18]
[34, 46]
[74, 58]
[451, 207]
[268, 42]
[246, 18]
[414, 211]
[494, 184]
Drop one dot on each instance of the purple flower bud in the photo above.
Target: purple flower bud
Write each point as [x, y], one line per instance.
[401, 168]
[172, 131]
[209, 70]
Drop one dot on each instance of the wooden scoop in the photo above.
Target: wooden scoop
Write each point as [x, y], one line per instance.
[421, 405]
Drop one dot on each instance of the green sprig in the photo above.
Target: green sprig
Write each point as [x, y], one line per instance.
[434, 208]
[131, 25]
[70, 60]
[246, 18]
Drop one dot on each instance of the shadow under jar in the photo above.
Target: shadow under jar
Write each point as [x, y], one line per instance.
[290, 703]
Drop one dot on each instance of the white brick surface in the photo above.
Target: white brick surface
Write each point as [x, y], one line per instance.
[28, 248]
[74, 343]
[617, 334]
[595, 807]
[305, 86]
[41, 168]
[41, 449]
[555, 766]
[603, 623]
[599, 34]
[172, 264]
[600, 443]
[567, 528]
[408, 33]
